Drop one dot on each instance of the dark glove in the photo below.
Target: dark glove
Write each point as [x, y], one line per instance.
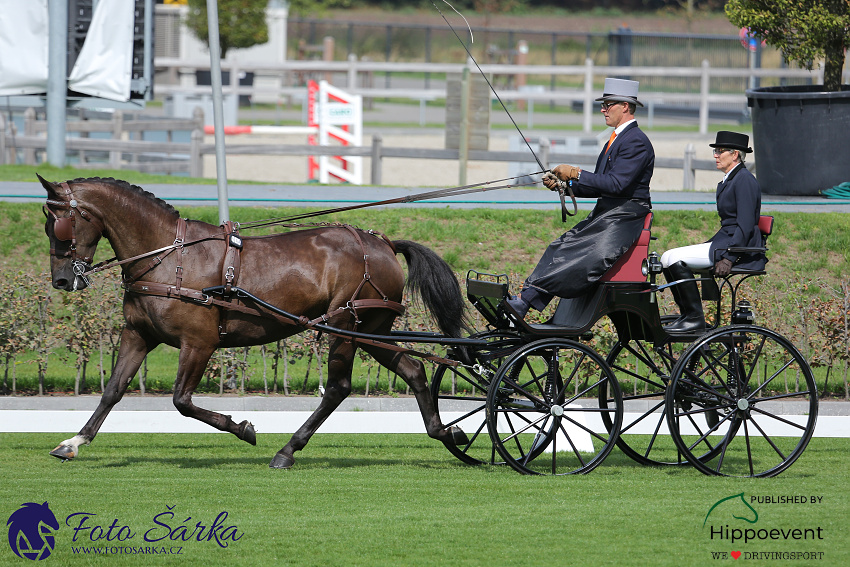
[723, 267]
[552, 182]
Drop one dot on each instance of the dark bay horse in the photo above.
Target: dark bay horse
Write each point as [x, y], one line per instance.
[346, 276]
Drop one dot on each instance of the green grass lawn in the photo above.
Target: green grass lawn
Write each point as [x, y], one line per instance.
[403, 500]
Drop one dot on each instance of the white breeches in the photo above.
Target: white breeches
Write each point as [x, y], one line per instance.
[696, 257]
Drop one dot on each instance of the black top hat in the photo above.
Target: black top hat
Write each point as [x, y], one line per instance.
[732, 141]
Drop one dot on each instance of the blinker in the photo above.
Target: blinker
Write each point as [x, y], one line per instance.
[63, 229]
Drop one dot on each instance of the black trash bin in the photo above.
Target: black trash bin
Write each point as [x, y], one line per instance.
[800, 138]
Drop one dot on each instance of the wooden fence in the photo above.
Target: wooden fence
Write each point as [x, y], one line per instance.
[145, 156]
[168, 161]
[355, 77]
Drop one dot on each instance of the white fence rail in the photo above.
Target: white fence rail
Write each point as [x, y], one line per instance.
[194, 152]
[352, 75]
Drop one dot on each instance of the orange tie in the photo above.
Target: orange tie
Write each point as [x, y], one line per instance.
[611, 140]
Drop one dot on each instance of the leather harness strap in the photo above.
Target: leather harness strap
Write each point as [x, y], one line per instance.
[230, 268]
[230, 278]
[179, 239]
[201, 298]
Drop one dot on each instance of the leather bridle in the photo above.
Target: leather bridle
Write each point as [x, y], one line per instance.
[65, 230]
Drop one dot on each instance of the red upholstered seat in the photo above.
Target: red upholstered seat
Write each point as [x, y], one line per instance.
[631, 267]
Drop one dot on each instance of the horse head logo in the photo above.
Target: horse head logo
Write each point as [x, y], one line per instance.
[737, 507]
[31, 530]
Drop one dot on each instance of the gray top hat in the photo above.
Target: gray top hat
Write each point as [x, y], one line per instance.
[620, 90]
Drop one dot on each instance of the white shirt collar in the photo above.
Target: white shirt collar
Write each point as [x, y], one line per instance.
[619, 129]
[725, 177]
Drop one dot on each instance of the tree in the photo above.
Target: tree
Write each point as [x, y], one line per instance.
[805, 31]
[241, 23]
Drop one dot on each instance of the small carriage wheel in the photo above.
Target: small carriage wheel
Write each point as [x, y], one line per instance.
[643, 371]
[464, 389]
[542, 408]
[729, 393]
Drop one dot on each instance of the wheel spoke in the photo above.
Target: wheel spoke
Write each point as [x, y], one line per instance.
[777, 418]
[775, 374]
[576, 452]
[643, 416]
[769, 440]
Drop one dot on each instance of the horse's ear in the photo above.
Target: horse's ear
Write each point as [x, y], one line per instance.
[51, 189]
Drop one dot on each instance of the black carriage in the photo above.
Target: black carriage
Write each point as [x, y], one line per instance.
[540, 398]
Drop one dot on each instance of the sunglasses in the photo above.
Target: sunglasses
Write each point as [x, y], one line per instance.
[719, 151]
[607, 105]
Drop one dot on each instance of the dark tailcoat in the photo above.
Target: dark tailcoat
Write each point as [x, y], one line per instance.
[739, 208]
[575, 261]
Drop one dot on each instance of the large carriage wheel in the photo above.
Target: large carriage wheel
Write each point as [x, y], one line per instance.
[727, 396]
[543, 412]
[463, 389]
[643, 373]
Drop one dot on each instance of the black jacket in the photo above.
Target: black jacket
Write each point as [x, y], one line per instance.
[739, 208]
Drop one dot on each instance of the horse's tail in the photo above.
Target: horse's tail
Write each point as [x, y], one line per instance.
[432, 279]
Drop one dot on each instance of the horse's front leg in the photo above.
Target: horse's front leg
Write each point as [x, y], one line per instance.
[132, 352]
[340, 362]
[191, 366]
[412, 371]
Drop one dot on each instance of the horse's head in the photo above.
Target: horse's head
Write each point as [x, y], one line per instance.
[73, 232]
[31, 530]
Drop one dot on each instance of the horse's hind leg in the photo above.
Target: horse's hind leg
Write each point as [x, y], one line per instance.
[412, 371]
[340, 362]
[133, 350]
[191, 366]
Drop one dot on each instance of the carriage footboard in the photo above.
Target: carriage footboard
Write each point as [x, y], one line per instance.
[486, 294]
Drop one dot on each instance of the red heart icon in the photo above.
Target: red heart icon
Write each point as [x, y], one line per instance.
[736, 554]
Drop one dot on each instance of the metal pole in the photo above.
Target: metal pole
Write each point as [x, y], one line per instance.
[57, 81]
[148, 54]
[218, 112]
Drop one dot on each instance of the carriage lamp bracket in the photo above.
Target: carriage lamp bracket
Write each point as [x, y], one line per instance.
[743, 314]
[654, 266]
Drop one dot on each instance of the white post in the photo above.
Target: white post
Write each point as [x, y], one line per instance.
[588, 95]
[463, 143]
[218, 111]
[703, 98]
[352, 72]
[689, 182]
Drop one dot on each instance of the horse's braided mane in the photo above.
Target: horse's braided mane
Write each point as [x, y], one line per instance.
[128, 187]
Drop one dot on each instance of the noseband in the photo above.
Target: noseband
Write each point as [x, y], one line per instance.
[65, 230]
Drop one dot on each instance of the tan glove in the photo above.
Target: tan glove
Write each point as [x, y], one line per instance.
[567, 172]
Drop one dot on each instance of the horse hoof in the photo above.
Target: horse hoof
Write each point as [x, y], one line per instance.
[281, 461]
[458, 436]
[247, 433]
[64, 452]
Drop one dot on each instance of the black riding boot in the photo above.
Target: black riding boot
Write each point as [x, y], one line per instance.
[687, 297]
